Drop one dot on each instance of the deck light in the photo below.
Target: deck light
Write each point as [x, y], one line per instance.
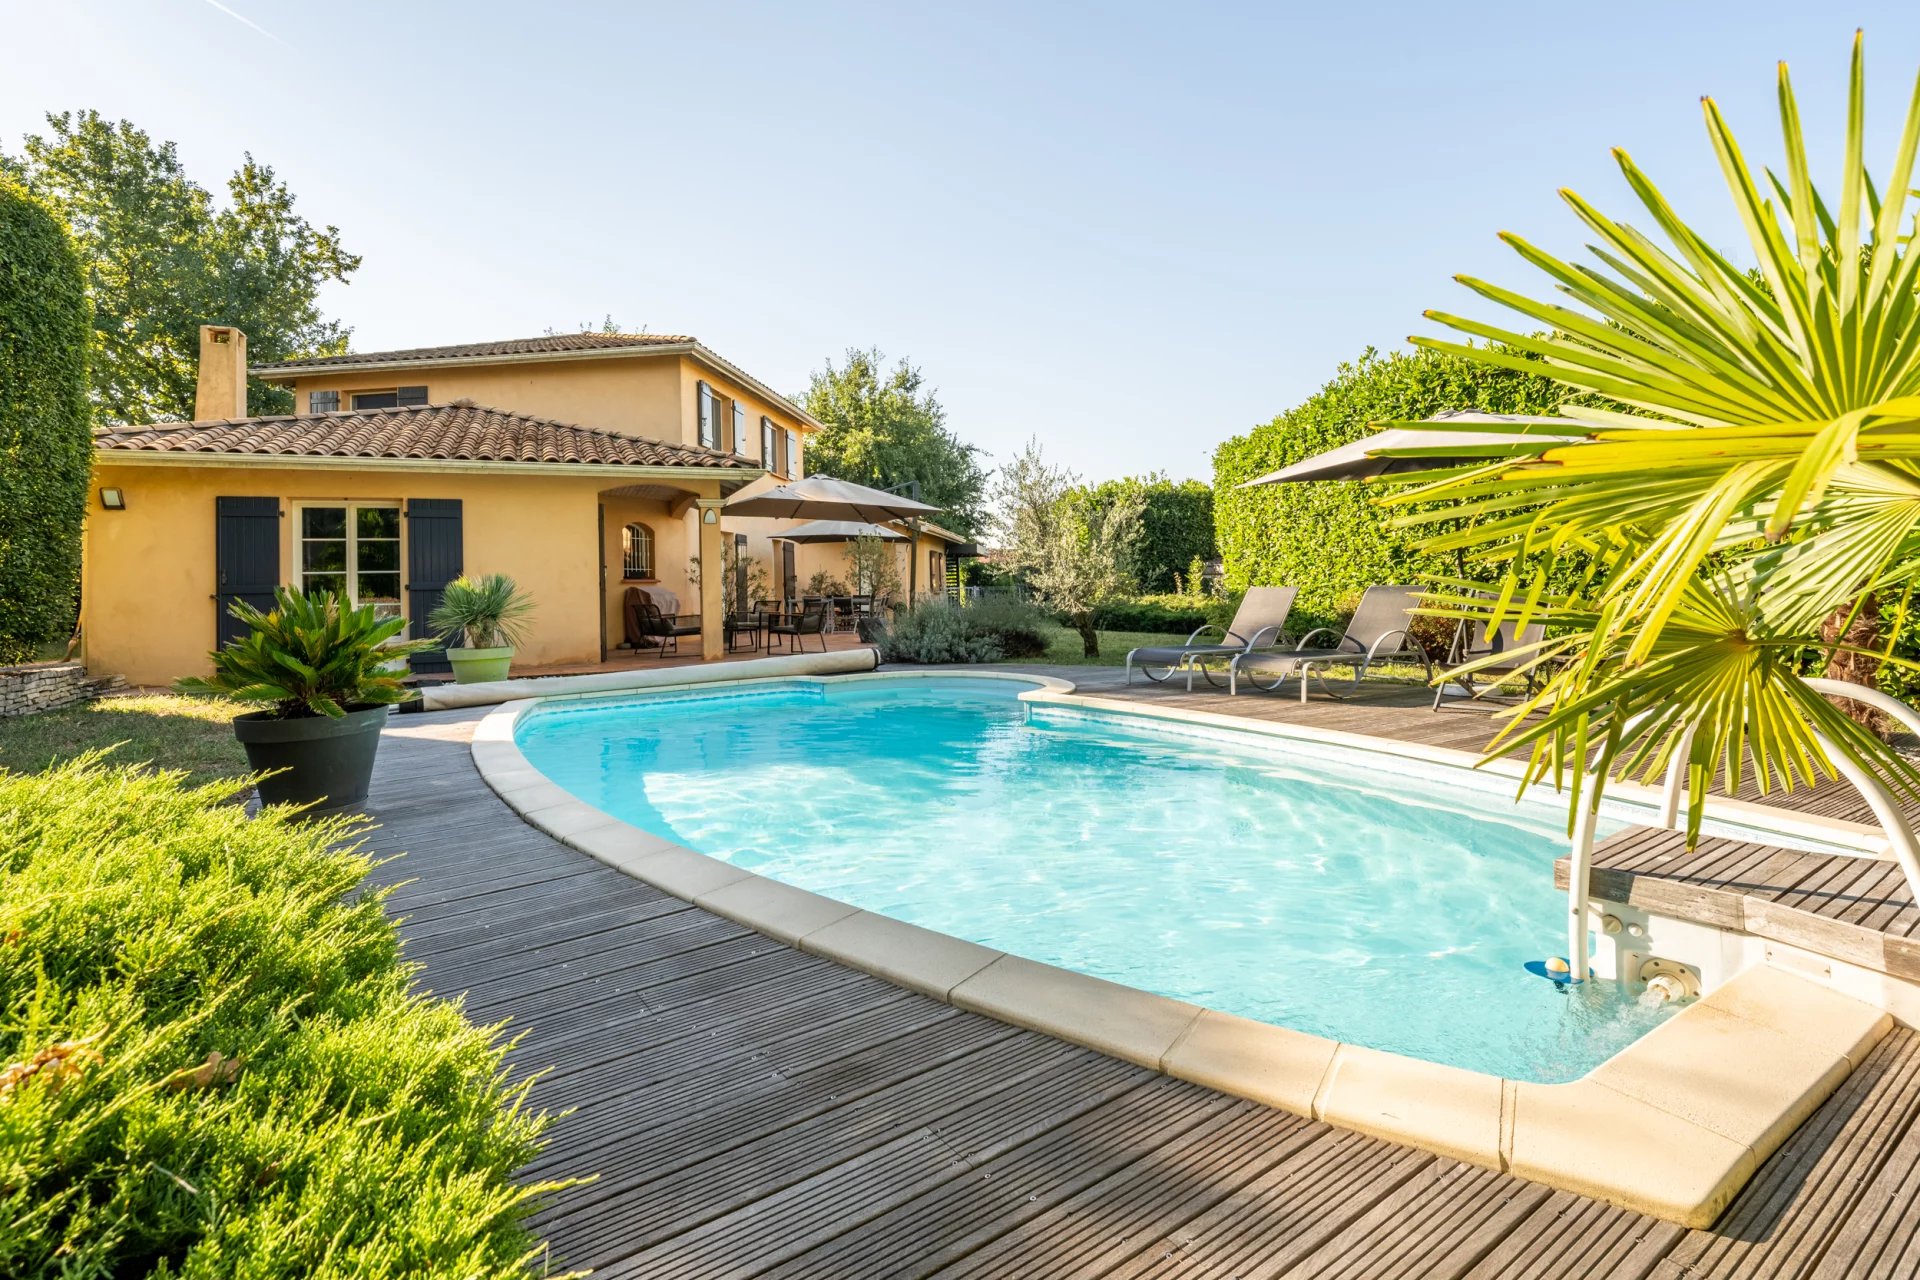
[113, 499]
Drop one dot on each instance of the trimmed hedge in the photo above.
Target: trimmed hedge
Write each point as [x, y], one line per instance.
[210, 1062]
[46, 445]
[1328, 538]
[1176, 527]
[1153, 613]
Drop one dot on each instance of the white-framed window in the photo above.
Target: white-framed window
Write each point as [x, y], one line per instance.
[350, 547]
[636, 552]
[709, 409]
[766, 443]
[396, 398]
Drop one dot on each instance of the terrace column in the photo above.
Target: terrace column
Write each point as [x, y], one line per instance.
[713, 575]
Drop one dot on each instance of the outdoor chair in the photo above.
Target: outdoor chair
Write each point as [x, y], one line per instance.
[748, 625]
[1379, 629]
[1259, 622]
[1473, 643]
[811, 621]
[648, 627]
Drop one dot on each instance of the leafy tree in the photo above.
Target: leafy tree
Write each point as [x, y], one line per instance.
[1768, 479]
[45, 446]
[886, 428]
[1329, 538]
[1072, 553]
[871, 567]
[162, 259]
[1176, 526]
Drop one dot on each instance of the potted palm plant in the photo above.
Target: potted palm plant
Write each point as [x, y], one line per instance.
[490, 615]
[326, 668]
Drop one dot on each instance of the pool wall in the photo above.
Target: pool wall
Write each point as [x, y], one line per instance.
[1672, 1126]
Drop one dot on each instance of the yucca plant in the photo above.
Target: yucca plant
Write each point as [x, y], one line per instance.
[1755, 472]
[489, 611]
[310, 655]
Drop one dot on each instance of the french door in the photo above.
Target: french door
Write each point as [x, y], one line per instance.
[352, 548]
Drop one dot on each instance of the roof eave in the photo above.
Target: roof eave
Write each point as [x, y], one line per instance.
[281, 374]
[731, 479]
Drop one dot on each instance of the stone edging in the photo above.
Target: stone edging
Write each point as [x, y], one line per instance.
[1671, 1126]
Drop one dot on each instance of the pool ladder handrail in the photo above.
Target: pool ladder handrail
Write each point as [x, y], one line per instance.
[1901, 840]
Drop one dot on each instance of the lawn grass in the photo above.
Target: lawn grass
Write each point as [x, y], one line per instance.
[1064, 648]
[165, 730]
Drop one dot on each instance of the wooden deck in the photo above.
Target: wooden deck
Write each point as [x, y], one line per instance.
[750, 1110]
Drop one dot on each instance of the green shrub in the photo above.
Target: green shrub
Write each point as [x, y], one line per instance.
[985, 631]
[1152, 613]
[937, 631]
[1018, 629]
[1327, 537]
[210, 1063]
[46, 443]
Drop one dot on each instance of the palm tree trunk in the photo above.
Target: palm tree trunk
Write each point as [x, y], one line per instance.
[1856, 668]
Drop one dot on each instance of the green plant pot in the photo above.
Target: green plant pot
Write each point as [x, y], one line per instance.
[471, 666]
[323, 762]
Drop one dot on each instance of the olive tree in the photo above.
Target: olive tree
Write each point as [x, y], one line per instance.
[1072, 554]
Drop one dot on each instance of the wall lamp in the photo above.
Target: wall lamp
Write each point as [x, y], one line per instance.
[712, 516]
[113, 499]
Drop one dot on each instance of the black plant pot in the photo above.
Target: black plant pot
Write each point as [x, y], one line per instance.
[325, 762]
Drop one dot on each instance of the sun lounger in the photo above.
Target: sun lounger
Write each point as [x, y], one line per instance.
[1379, 629]
[1259, 622]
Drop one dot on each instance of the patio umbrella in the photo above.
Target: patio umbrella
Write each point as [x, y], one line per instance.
[823, 498]
[1357, 460]
[838, 531]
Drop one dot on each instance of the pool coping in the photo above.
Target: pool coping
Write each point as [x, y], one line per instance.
[1671, 1126]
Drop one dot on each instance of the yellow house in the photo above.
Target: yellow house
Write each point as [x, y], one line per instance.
[578, 464]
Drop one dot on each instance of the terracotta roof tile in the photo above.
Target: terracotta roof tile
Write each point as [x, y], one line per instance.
[558, 342]
[458, 432]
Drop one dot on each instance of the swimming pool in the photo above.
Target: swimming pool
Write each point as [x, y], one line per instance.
[1355, 896]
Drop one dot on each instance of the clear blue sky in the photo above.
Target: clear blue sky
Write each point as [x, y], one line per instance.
[1132, 231]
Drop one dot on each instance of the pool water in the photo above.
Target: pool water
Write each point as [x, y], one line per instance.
[1314, 887]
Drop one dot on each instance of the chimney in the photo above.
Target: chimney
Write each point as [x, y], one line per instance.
[223, 374]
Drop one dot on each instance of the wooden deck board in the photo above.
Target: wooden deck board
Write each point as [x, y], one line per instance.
[754, 1110]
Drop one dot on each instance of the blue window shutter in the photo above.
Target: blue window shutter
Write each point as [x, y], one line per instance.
[436, 547]
[246, 559]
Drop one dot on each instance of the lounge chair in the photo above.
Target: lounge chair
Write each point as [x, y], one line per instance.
[1378, 630]
[1260, 621]
[1472, 642]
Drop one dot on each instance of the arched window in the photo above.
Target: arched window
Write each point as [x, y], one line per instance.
[636, 547]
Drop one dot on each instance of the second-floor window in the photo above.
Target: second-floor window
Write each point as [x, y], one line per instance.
[766, 443]
[393, 399]
[790, 457]
[739, 442]
[323, 402]
[709, 417]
